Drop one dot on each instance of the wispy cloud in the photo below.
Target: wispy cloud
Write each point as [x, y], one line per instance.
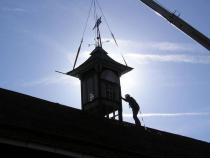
[194, 59]
[154, 46]
[7, 9]
[170, 46]
[144, 52]
[170, 114]
[45, 81]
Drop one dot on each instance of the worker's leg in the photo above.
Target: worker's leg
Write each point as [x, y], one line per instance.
[136, 118]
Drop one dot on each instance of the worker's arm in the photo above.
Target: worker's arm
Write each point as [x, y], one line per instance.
[126, 101]
[123, 99]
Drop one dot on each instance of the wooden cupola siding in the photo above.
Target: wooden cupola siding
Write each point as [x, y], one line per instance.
[100, 84]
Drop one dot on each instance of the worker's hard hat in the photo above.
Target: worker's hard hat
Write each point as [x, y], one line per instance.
[127, 95]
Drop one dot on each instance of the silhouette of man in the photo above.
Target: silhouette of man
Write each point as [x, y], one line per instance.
[134, 106]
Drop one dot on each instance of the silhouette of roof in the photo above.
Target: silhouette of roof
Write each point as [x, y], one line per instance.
[99, 56]
[33, 123]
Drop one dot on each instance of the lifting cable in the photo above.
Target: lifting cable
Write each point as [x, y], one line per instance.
[99, 6]
[78, 51]
[93, 4]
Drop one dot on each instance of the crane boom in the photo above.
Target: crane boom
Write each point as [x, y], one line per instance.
[179, 23]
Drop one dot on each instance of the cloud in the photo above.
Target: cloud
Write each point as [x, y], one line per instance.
[170, 114]
[156, 46]
[144, 52]
[193, 59]
[170, 46]
[45, 81]
[6, 9]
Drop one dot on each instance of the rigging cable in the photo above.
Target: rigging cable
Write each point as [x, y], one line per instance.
[99, 6]
[95, 19]
[78, 51]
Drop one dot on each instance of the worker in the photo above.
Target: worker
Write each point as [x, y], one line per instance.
[134, 106]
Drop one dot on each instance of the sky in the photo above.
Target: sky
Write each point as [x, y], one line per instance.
[170, 80]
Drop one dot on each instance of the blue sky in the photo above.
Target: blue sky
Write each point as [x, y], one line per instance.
[171, 75]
